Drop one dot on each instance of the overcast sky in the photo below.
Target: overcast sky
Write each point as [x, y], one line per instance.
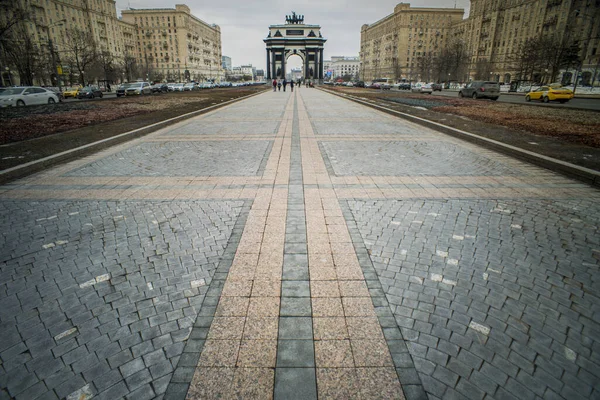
[244, 23]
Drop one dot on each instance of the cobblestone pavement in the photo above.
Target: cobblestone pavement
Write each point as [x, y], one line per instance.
[298, 246]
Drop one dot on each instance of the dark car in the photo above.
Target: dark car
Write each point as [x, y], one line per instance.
[359, 84]
[160, 88]
[121, 89]
[89, 92]
[436, 87]
[481, 90]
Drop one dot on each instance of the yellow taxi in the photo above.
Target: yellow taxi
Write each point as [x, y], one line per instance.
[550, 93]
[71, 92]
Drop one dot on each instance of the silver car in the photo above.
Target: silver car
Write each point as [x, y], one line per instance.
[138, 88]
[21, 96]
[422, 88]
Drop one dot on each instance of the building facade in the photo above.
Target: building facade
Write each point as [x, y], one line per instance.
[393, 47]
[51, 25]
[405, 44]
[175, 45]
[226, 63]
[495, 31]
[340, 66]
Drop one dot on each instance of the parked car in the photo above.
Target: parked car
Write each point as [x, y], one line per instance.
[191, 86]
[71, 91]
[481, 90]
[159, 88]
[121, 89]
[56, 91]
[26, 96]
[550, 93]
[421, 87]
[138, 88]
[359, 84]
[89, 92]
[401, 86]
[436, 87]
[178, 87]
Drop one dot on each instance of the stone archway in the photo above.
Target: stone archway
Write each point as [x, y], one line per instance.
[295, 38]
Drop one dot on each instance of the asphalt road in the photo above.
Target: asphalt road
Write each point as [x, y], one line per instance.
[585, 104]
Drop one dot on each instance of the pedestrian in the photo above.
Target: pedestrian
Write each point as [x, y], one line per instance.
[274, 85]
[284, 84]
[292, 85]
[279, 86]
[108, 87]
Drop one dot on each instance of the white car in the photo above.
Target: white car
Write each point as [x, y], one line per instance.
[422, 88]
[178, 87]
[26, 96]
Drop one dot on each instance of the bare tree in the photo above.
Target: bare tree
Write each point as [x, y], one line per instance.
[397, 69]
[425, 65]
[82, 51]
[452, 62]
[14, 14]
[20, 51]
[130, 67]
[106, 62]
[483, 69]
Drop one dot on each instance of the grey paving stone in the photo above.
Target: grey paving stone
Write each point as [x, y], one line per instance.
[295, 307]
[295, 354]
[295, 288]
[295, 328]
[295, 383]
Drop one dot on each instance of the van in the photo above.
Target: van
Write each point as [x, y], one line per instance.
[481, 90]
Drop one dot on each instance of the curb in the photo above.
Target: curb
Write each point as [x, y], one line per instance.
[574, 171]
[23, 170]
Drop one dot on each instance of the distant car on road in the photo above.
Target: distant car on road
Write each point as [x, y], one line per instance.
[138, 89]
[191, 86]
[178, 87]
[436, 87]
[160, 88]
[359, 84]
[550, 93]
[26, 96]
[89, 92]
[121, 89]
[481, 90]
[422, 88]
[71, 91]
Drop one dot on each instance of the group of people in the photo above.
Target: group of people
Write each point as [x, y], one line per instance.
[277, 84]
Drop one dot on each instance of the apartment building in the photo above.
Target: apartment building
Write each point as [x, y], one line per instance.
[397, 46]
[156, 44]
[494, 31]
[176, 44]
[393, 46]
[340, 66]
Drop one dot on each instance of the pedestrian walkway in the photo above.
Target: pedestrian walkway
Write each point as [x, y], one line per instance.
[297, 246]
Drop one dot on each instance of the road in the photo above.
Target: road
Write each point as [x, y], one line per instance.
[584, 104]
[268, 250]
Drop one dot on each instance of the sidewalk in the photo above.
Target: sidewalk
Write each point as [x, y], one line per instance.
[268, 250]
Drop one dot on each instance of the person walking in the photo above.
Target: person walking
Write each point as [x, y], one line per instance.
[279, 86]
[274, 85]
[284, 84]
[292, 85]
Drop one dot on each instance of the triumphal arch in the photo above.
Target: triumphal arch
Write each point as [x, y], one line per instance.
[295, 38]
